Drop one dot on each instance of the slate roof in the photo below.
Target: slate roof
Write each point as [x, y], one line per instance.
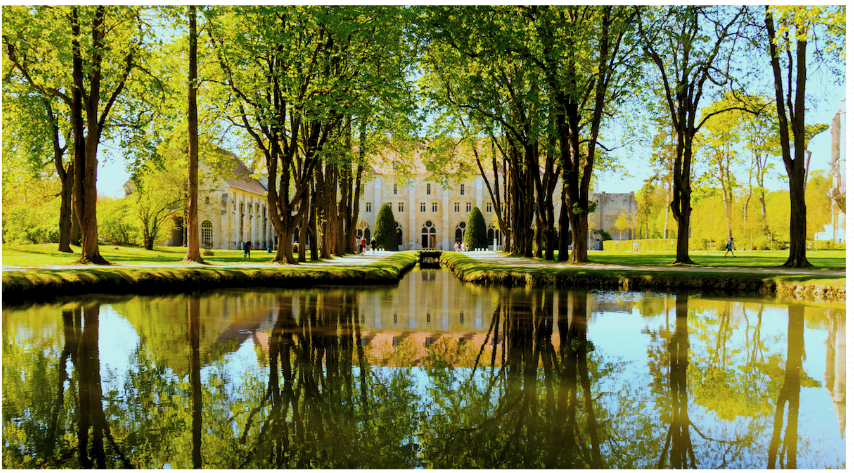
[242, 180]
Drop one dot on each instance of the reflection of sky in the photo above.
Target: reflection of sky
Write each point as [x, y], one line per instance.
[617, 336]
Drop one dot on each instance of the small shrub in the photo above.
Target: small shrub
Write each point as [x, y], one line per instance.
[385, 232]
[475, 235]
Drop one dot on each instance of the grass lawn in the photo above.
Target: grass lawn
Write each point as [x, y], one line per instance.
[821, 259]
[47, 255]
[816, 286]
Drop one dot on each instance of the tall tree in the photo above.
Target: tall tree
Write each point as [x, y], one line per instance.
[105, 46]
[789, 29]
[193, 254]
[689, 46]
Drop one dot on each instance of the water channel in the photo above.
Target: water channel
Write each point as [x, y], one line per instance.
[428, 373]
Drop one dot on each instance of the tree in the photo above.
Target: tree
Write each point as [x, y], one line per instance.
[622, 224]
[105, 48]
[193, 254]
[385, 229]
[156, 197]
[475, 236]
[793, 27]
[688, 46]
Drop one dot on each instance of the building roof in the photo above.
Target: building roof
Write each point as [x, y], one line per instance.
[242, 179]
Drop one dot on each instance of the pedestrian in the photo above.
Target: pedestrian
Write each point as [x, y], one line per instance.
[246, 248]
[729, 248]
[358, 239]
[373, 245]
[362, 243]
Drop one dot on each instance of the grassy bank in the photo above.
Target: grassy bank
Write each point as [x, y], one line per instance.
[19, 286]
[796, 287]
[820, 259]
[47, 255]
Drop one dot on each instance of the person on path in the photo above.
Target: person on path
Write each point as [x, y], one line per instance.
[729, 248]
[363, 243]
[373, 245]
[358, 240]
[246, 247]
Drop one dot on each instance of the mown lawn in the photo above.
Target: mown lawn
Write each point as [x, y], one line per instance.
[821, 259]
[47, 255]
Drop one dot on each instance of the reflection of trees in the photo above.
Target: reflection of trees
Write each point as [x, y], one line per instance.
[678, 440]
[790, 394]
[316, 412]
[539, 395]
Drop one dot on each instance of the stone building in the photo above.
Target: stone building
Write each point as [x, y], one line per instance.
[232, 210]
[429, 215]
[432, 216]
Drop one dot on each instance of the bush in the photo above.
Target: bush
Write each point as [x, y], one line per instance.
[760, 242]
[605, 235]
[385, 232]
[475, 235]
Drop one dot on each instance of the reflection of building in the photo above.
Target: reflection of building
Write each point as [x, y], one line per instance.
[834, 374]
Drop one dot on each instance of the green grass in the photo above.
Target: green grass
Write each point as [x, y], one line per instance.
[801, 287]
[39, 284]
[47, 255]
[821, 259]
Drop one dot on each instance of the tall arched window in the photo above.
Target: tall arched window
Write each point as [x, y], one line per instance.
[399, 234]
[207, 234]
[460, 232]
[428, 235]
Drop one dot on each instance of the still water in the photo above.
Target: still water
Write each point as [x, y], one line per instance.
[431, 373]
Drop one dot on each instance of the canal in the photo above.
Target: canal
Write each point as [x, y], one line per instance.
[428, 373]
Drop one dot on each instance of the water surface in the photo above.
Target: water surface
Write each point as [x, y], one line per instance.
[431, 373]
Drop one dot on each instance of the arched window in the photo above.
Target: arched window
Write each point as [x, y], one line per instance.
[207, 234]
[460, 232]
[428, 235]
[399, 234]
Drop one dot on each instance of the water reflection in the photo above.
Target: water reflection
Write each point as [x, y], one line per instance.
[494, 378]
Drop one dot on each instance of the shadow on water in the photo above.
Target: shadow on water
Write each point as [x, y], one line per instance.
[297, 379]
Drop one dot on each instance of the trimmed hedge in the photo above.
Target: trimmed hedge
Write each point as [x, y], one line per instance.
[702, 244]
[385, 230]
[475, 235]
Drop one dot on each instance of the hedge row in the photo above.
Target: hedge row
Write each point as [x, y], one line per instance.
[702, 244]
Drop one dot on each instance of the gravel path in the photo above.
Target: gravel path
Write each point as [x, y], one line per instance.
[501, 260]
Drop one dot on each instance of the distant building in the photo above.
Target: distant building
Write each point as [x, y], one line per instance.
[430, 216]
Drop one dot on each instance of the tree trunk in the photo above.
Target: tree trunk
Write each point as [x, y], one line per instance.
[563, 241]
[193, 254]
[794, 165]
[75, 223]
[86, 144]
[65, 212]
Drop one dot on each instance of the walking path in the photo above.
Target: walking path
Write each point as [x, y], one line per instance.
[261, 261]
[486, 257]
[502, 260]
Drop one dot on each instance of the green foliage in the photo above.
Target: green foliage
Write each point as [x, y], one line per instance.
[385, 230]
[475, 235]
[116, 222]
[605, 235]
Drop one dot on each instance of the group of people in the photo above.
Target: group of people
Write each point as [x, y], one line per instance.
[461, 246]
[361, 244]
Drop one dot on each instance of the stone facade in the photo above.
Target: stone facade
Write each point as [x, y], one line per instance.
[430, 216]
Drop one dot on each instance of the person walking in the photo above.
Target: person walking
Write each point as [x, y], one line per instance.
[729, 248]
[246, 248]
[373, 245]
[362, 244]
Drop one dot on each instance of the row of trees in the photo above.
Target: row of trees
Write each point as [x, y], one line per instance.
[529, 94]
[753, 215]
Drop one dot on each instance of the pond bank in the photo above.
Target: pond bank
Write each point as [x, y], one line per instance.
[803, 287]
[21, 286]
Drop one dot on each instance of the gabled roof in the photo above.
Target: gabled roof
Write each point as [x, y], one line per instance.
[242, 179]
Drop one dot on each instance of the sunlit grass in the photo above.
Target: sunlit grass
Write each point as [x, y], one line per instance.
[47, 255]
[820, 259]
